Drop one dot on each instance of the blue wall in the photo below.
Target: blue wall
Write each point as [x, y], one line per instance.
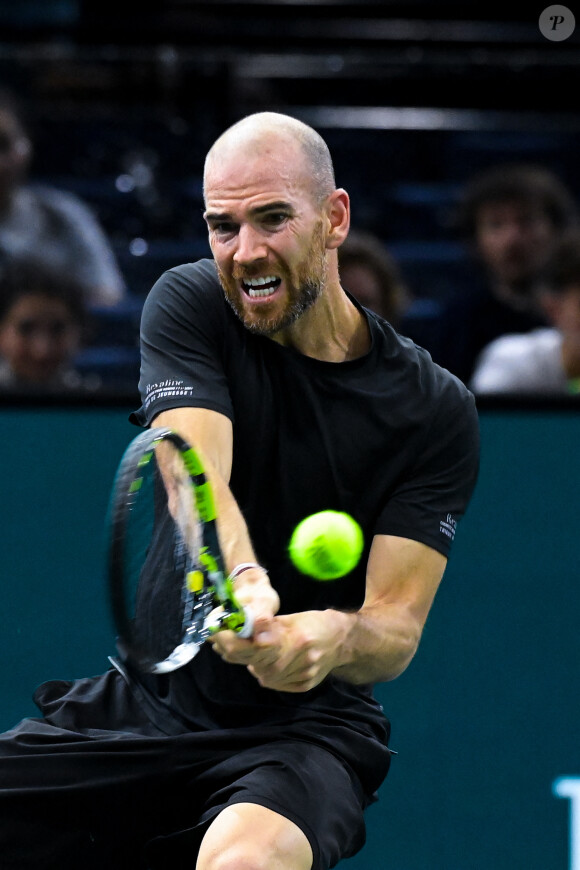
[57, 471]
[486, 717]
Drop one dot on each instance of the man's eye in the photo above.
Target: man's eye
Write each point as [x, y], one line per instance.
[223, 228]
[275, 218]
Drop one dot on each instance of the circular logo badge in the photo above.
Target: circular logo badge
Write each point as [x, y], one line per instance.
[557, 23]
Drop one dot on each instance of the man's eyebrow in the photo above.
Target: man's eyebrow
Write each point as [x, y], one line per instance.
[280, 205]
[217, 216]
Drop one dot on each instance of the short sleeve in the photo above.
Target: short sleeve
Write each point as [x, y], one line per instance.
[183, 336]
[431, 499]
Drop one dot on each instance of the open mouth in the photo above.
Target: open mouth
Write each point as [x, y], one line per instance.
[261, 287]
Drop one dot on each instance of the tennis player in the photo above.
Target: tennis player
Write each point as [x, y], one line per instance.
[262, 753]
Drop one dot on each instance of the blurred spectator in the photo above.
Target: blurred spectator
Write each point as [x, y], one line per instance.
[48, 223]
[369, 273]
[545, 360]
[42, 324]
[512, 216]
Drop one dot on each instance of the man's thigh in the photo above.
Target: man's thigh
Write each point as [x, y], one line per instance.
[303, 784]
[249, 835]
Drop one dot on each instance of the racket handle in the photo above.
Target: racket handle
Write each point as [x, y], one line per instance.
[219, 620]
[247, 628]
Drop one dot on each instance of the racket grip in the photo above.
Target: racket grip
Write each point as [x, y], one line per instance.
[247, 628]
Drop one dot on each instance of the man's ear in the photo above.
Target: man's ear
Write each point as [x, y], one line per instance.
[338, 217]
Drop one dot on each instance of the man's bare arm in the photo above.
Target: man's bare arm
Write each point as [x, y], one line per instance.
[295, 652]
[210, 433]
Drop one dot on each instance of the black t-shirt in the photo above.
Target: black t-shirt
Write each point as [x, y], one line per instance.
[390, 438]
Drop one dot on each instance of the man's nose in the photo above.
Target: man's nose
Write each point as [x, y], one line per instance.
[250, 245]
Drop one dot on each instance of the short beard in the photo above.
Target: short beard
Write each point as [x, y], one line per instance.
[311, 280]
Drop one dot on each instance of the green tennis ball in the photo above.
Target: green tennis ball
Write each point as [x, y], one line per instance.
[326, 545]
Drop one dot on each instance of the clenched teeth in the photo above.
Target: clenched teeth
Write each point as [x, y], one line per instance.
[265, 286]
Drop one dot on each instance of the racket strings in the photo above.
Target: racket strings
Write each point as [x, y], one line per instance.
[166, 567]
[162, 544]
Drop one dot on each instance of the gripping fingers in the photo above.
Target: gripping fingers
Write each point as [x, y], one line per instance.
[220, 620]
[247, 628]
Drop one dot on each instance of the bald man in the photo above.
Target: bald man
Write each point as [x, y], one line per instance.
[264, 752]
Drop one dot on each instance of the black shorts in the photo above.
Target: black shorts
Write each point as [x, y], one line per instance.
[130, 801]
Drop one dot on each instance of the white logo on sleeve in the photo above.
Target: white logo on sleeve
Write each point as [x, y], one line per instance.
[169, 388]
[448, 526]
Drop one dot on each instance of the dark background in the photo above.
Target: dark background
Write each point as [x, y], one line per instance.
[124, 99]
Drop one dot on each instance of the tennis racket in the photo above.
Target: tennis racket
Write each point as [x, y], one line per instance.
[168, 589]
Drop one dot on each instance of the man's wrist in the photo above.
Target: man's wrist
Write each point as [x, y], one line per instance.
[246, 566]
